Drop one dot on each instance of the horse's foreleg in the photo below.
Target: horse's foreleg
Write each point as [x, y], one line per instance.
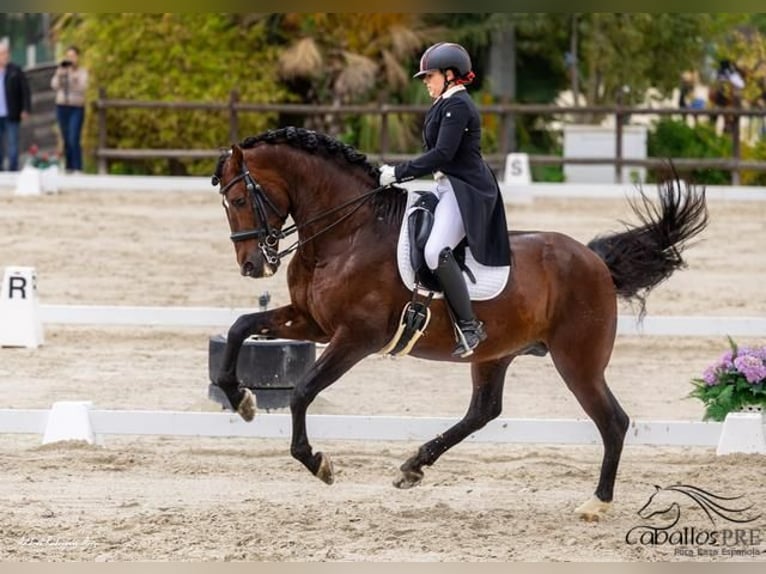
[284, 322]
[336, 359]
[486, 404]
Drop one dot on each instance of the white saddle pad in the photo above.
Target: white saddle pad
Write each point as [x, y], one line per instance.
[490, 281]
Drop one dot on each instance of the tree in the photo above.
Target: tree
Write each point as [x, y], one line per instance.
[348, 58]
[639, 50]
[745, 45]
[357, 58]
[174, 57]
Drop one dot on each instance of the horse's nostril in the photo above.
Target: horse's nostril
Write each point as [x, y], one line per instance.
[248, 269]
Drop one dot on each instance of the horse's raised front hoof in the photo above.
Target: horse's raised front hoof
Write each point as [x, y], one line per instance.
[246, 406]
[325, 472]
[593, 510]
[408, 479]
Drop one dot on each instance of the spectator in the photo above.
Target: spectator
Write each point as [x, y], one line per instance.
[690, 94]
[686, 89]
[70, 82]
[727, 92]
[15, 106]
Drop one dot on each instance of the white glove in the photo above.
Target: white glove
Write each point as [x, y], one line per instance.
[387, 175]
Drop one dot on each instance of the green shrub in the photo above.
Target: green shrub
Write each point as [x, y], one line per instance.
[676, 139]
[756, 152]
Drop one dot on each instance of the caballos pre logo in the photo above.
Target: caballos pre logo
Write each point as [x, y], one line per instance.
[735, 528]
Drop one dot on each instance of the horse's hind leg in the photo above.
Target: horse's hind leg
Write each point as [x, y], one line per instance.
[581, 362]
[486, 404]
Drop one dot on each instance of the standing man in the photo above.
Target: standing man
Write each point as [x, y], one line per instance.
[15, 106]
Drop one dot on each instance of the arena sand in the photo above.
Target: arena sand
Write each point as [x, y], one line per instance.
[234, 499]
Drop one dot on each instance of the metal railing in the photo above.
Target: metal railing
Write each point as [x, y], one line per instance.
[505, 112]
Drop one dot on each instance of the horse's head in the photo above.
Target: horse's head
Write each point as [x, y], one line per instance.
[256, 206]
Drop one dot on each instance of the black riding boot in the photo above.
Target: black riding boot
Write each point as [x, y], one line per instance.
[471, 330]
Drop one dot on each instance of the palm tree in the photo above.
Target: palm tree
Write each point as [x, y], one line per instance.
[351, 58]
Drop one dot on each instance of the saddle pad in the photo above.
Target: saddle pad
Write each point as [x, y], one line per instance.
[490, 281]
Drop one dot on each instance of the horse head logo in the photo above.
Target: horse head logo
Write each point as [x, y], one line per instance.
[664, 503]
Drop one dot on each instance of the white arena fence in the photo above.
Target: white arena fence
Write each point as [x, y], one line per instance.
[342, 427]
[224, 316]
[77, 420]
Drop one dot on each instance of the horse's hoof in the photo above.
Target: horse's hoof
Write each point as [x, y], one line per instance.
[593, 510]
[408, 479]
[246, 407]
[325, 473]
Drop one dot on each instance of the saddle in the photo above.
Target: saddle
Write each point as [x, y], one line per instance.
[484, 283]
[416, 315]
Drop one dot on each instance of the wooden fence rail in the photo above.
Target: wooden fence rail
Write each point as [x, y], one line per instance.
[506, 113]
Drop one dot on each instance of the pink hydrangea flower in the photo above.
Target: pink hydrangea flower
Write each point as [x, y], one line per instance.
[751, 367]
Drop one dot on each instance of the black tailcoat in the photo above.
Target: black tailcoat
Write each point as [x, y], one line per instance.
[452, 138]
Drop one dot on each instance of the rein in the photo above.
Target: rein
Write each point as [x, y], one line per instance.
[267, 236]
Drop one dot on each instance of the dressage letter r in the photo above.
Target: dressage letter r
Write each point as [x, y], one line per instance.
[17, 284]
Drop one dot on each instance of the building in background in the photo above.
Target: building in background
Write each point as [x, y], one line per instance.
[33, 50]
[29, 37]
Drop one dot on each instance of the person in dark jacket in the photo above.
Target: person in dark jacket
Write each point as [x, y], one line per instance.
[470, 203]
[15, 106]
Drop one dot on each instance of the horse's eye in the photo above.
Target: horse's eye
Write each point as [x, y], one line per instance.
[239, 202]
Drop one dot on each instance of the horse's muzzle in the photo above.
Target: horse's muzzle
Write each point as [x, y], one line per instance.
[258, 268]
[248, 269]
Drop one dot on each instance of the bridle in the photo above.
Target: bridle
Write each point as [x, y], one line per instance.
[268, 237]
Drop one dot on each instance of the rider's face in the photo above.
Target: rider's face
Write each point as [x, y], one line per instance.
[434, 82]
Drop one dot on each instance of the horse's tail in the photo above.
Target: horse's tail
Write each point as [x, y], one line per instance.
[643, 256]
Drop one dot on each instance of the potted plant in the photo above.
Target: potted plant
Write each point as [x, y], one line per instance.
[40, 173]
[735, 382]
[41, 159]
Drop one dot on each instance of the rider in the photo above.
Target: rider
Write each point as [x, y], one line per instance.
[470, 204]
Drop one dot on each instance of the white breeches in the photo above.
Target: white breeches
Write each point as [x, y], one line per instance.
[448, 228]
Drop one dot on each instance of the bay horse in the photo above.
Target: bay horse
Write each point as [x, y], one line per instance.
[345, 289]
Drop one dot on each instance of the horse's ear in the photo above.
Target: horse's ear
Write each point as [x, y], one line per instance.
[236, 155]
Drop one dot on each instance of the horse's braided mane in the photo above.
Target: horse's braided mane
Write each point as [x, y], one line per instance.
[389, 204]
[313, 142]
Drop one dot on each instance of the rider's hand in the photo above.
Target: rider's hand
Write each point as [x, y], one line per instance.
[387, 175]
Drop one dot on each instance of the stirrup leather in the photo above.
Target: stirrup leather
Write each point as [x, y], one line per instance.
[415, 318]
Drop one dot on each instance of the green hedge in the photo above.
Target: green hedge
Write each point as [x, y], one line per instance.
[674, 138]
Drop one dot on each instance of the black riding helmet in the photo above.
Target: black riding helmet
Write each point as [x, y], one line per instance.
[443, 56]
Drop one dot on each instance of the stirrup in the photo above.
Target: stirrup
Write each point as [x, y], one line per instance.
[469, 334]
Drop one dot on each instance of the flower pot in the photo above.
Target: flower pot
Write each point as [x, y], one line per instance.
[742, 432]
[757, 409]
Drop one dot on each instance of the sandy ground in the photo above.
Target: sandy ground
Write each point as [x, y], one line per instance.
[206, 499]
